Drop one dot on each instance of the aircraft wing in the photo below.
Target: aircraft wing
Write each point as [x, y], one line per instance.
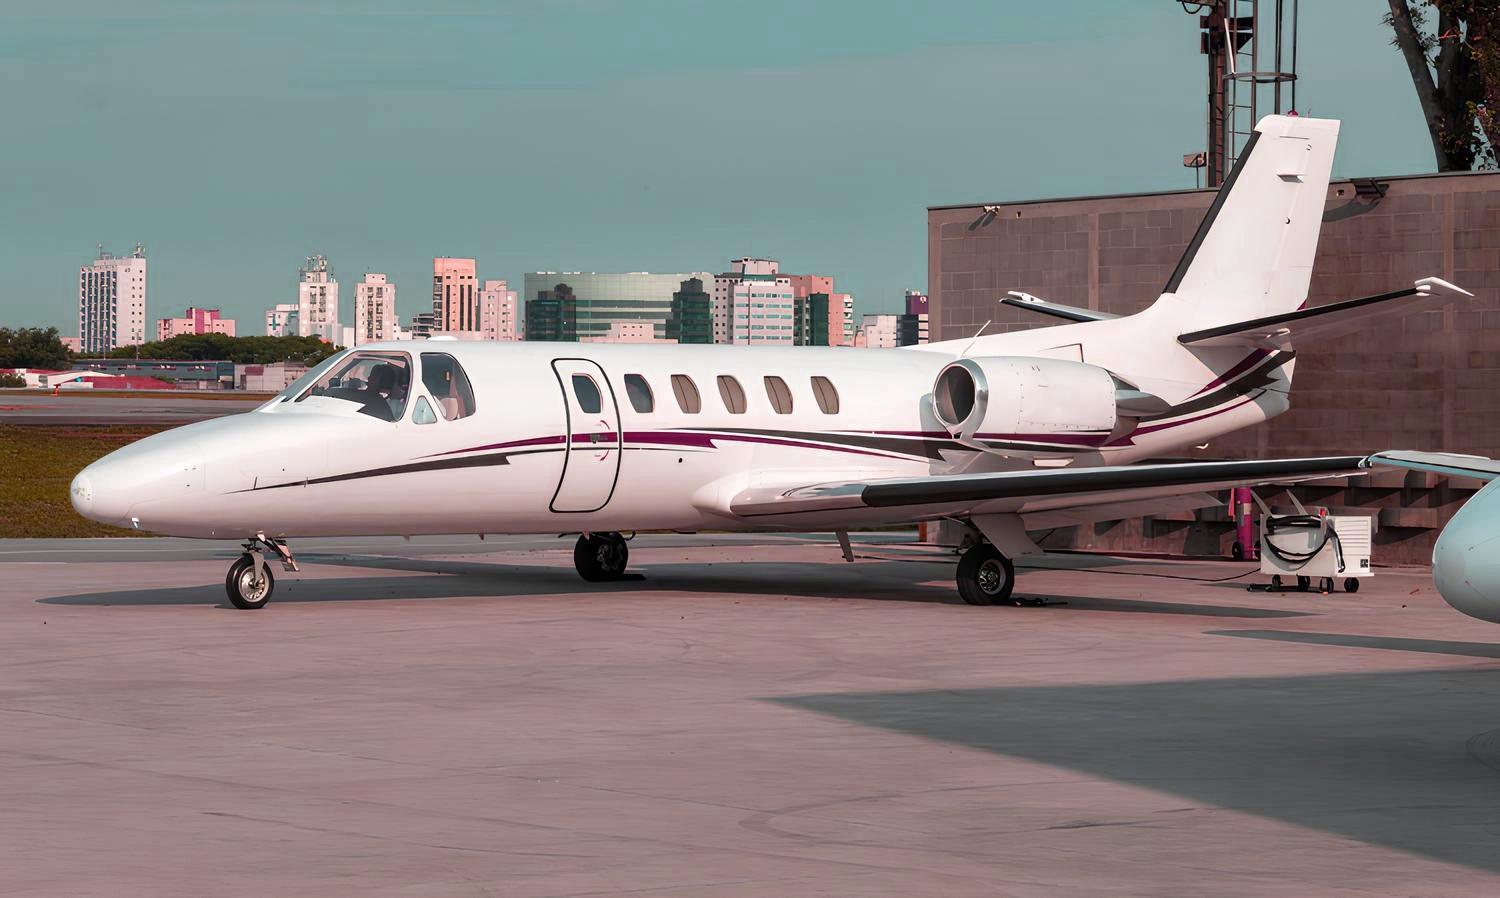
[1446, 463]
[1331, 320]
[1060, 493]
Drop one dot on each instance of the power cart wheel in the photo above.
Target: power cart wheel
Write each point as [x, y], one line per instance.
[249, 583]
[985, 577]
[1304, 584]
[1351, 584]
[601, 557]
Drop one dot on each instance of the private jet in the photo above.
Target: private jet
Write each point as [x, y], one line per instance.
[1006, 434]
[1465, 565]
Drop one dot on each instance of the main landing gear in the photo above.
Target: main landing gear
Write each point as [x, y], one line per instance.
[601, 556]
[985, 577]
[249, 582]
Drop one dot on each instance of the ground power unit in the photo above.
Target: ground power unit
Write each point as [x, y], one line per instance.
[1315, 546]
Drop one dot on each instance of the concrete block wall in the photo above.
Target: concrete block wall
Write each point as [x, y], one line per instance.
[1426, 381]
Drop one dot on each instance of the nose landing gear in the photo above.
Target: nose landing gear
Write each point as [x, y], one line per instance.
[601, 557]
[249, 582]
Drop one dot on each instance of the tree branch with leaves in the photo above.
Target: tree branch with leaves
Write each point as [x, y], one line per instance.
[1456, 72]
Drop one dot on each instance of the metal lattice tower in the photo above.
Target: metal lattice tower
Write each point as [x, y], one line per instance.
[1251, 47]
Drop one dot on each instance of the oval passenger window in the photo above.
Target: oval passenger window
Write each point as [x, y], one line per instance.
[640, 393]
[588, 394]
[732, 394]
[687, 394]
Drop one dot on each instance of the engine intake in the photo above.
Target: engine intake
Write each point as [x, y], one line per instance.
[1022, 398]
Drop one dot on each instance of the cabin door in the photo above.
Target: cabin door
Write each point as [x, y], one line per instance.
[591, 457]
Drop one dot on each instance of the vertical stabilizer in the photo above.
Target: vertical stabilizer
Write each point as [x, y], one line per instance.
[1253, 253]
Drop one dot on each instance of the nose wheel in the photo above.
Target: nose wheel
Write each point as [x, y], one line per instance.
[249, 582]
[985, 577]
[601, 556]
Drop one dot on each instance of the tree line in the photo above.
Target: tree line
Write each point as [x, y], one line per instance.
[39, 347]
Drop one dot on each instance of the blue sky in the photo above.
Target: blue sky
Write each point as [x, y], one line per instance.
[234, 138]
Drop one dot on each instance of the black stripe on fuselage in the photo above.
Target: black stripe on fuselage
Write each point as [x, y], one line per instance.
[443, 464]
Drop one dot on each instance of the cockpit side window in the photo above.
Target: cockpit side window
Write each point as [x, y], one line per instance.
[444, 378]
[379, 382]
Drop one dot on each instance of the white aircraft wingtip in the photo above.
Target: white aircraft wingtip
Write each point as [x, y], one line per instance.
[1428, 285]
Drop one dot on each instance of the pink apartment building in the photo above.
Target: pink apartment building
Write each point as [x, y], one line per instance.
[195, 321]
[455, 294]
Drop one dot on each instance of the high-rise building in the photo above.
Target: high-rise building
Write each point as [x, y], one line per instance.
[810, 325]
[840, 307]
[911, 327]
[455, 294]
[281, 321]
[552, 315]
[600, 299]
[841, 319]
[692, 316]
[424, 325]
[195, 321]
[374, 309]
[878, 331]
[753, 303]
[318, 301]
[112, 301]
[498, 312]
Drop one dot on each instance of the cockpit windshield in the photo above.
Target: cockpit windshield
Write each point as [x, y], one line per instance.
[378, 382]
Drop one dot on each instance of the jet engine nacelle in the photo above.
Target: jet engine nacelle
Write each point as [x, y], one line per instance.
[1019, 396]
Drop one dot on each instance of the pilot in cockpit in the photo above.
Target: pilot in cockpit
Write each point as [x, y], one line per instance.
[386, 388]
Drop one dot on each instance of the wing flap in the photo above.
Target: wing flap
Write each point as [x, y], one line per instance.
[1036, 490]
[1333, 319]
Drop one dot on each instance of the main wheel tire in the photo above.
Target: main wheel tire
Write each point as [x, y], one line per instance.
[985, 577]
[1237, 552]
[1304, 584]
[1351, 584]
[244, 590]
[600, 557]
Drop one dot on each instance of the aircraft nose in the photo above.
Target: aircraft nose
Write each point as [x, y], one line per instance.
[82, 494]
[102, 493]
[164, 473]
[1466, 558]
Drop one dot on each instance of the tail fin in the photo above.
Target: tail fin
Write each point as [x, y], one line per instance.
[1252, 255]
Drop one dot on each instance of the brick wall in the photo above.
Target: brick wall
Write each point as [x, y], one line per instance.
[1425, 381]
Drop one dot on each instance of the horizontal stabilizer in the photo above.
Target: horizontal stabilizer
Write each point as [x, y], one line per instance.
[1446, 463]
[1017, 299]
[1331, 320]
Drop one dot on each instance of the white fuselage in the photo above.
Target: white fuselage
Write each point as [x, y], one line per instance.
[531, 459]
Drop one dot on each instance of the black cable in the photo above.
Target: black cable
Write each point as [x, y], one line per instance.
[1301, 522]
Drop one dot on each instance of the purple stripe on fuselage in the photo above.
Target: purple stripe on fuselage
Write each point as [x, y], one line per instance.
[1239, 368]
[1126, 439]
[1091, 438]
[692, 439]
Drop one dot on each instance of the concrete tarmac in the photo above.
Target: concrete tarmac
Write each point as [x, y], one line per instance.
[752, 717]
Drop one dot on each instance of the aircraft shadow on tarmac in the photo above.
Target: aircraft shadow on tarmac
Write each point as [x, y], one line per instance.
[1408, 760]
[1392, 643]
[870, 581]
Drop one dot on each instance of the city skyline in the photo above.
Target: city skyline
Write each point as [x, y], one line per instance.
[908, 108]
